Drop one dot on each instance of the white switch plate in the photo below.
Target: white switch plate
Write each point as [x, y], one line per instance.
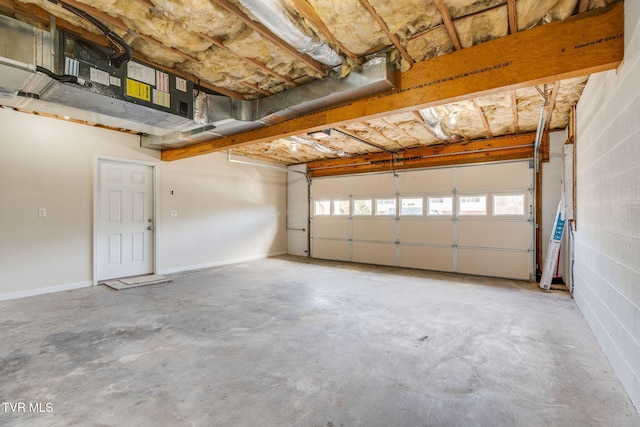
[42, 211]
[174, 213]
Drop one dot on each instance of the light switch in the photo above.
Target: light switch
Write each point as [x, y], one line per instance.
[174, 213]
[42, 211]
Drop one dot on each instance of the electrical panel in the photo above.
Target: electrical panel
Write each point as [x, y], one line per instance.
[134, 82]
[90, 62]
[155, 88]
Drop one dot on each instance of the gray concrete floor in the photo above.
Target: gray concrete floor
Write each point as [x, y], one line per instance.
[291, 342]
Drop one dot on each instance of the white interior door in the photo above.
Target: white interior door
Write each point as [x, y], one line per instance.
[125, 220]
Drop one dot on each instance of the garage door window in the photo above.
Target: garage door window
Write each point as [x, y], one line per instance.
[385, 207]
[473, 205]
[508, 204]
[341, 207]
[322, 207]
[411, 206]
[362, 207]
[440, 206]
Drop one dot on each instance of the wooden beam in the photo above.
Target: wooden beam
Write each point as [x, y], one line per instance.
[247, 84]
[552, 104]
[583, 6]
[514, 109]
[361, 140]
[448, 23]
[117, 23]
[267, 34]
[489, 150]
[583, 44]
[512, 10]
[311, 15]
[218, 43]
[44, 17]
[393, 37]
[483, 117]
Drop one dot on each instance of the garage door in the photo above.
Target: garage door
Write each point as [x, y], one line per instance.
[472, 219]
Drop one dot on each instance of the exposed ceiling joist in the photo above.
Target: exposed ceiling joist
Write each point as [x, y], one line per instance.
[219, 43]
[310, 14]
[512, 10]
[393, 37]
[552, 103]
[489, 150]
[42, 16]
[448, 23]
[483, 117]
[583, 6]
[514, 109]
[585, 44]
[361, 140]
[266, 33]
[117, 23]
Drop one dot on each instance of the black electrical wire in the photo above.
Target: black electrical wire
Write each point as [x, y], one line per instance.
[64, 78]
[126, 52]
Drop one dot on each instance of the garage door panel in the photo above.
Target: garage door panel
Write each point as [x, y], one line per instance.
[494, 234]
[331, 249]
[430, 258]
[434, 232]
[368, 185]
[330, 228]
[374, 229]
[494, 263]
[374, 253]
[492, 177]
[435, 180]
[331, 187]
[490, 245]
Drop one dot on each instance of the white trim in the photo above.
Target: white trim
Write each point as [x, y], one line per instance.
[48, 290]
[219, 263]
[154, 174]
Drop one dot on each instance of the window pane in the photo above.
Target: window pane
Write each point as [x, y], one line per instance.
[508, 204]
[341, 207]
[473, 205]
[385, 206]
[362, 207]
[322, 207]
[411, 206]
[440, 205]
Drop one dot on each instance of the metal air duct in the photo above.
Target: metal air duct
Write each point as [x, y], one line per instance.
[273, 15]
[178, 119]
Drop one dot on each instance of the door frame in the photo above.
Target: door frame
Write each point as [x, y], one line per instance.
[96, 205]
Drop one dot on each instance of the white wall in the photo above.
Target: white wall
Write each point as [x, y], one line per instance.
[226, 212]
[607, 240]
[297, 212]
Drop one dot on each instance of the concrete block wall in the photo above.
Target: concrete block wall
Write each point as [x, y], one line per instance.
[607, 240]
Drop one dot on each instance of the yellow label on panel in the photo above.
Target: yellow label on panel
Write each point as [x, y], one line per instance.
[138, 90]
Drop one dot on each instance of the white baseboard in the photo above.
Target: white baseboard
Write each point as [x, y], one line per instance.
[218, 263]
[48, 290]
[88, 283]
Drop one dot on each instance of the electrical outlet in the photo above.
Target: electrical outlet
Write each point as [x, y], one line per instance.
[174, 213]
[42, 211]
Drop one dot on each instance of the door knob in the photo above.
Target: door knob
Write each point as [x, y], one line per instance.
[151, 227]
